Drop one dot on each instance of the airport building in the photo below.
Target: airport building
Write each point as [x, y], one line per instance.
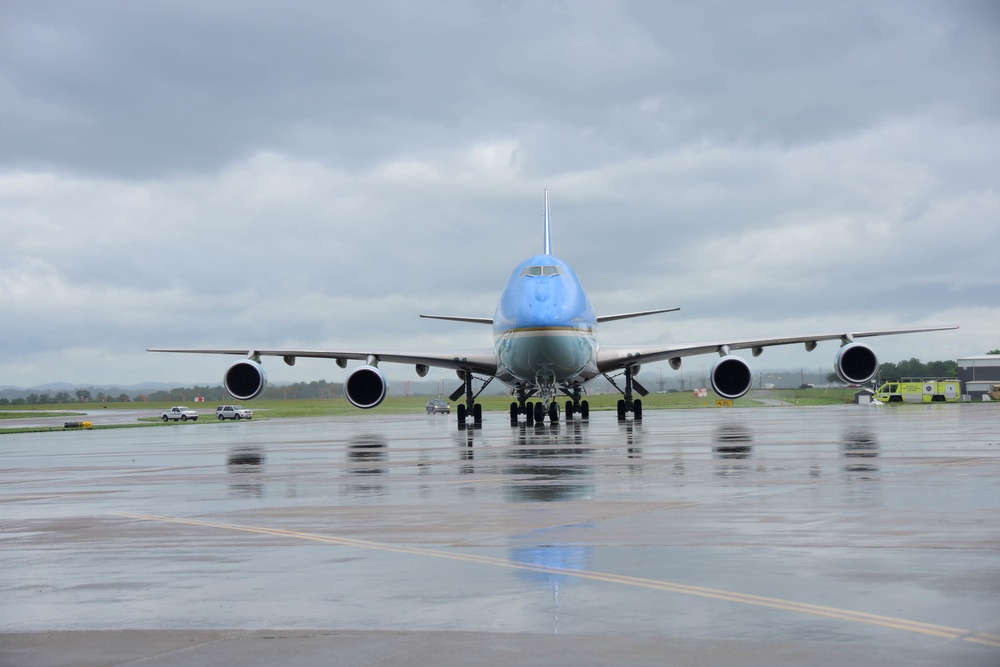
[977, 375]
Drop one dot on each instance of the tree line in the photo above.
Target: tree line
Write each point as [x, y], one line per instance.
[914, 368]
[179, 395]
[64, 397]
[217, 394]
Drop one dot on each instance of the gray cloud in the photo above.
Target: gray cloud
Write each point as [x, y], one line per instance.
[317, 174]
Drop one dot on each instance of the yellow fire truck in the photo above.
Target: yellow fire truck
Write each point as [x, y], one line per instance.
[916, 390]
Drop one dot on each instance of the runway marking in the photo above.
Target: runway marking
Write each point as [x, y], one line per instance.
[984, 638]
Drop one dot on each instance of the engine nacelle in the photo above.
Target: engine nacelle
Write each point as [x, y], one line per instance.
[365, 387]
[245, 380]
[731, 377]
[855, 363]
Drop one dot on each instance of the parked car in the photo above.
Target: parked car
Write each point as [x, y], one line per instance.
[179, 413]
[233, 412]
[436, 405]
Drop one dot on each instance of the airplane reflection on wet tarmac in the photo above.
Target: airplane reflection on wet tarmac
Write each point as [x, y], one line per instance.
[549, 462]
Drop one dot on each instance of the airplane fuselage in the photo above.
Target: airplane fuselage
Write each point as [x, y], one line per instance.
[545, 329]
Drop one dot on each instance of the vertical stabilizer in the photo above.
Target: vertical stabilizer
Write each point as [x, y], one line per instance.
[548, 227]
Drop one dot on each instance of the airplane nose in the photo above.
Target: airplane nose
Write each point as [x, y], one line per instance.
[542, 291]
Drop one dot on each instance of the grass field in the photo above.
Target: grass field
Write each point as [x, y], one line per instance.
[282, 409]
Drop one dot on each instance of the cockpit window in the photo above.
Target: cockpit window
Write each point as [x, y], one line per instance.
[541, 271]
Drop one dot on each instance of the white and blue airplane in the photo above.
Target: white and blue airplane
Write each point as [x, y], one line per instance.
[545, 344]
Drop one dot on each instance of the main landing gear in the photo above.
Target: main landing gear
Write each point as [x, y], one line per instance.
[536, 412]
[628, 404]
[470, 408]
[576, 406]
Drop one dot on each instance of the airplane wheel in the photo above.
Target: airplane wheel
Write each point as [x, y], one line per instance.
[539, 412]
[513, 413]
[637, 410]
[461, 413]
[477, 413]
[584, 410]
[529, 412]
[621, 410]
[554, 412]
[569, 410]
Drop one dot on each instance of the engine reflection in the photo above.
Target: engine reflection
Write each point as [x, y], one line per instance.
[732, 443]
[366, 458]
[364, 453]
[860, 449]
[246, 463]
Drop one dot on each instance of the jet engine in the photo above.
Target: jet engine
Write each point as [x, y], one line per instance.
[245, 380]
[365, 387]
[855, 363]
[731, 377]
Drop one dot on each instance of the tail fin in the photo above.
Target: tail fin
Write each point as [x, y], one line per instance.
[548, 227]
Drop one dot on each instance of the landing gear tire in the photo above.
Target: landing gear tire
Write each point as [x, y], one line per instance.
[621, 410]
[529, 413]
[554, 412]
[637, 410]
[539, 413]
[477, 414]
[584, 410]
[569, 410]
[513, 414]
[461, 414]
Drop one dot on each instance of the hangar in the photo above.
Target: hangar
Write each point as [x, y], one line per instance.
[977, 374]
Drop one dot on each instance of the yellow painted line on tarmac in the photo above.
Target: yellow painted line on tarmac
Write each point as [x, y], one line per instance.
[984, 638]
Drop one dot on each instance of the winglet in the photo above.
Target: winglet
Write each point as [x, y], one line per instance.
[548, 227]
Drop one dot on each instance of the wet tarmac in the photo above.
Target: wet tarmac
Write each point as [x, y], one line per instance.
[770, 536]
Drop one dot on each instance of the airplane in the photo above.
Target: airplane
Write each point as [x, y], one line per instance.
[545, 344]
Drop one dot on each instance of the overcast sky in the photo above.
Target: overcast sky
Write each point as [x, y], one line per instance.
[316, 174]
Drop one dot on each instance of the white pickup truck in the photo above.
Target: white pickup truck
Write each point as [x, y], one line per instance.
[233, 412]
[179, 413]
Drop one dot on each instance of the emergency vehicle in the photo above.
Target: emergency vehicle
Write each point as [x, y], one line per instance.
[915, 390]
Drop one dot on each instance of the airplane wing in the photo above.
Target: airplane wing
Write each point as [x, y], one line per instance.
[616, 357]
[642, 313]
[481, 360]
[456, 318]
[600, 318]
